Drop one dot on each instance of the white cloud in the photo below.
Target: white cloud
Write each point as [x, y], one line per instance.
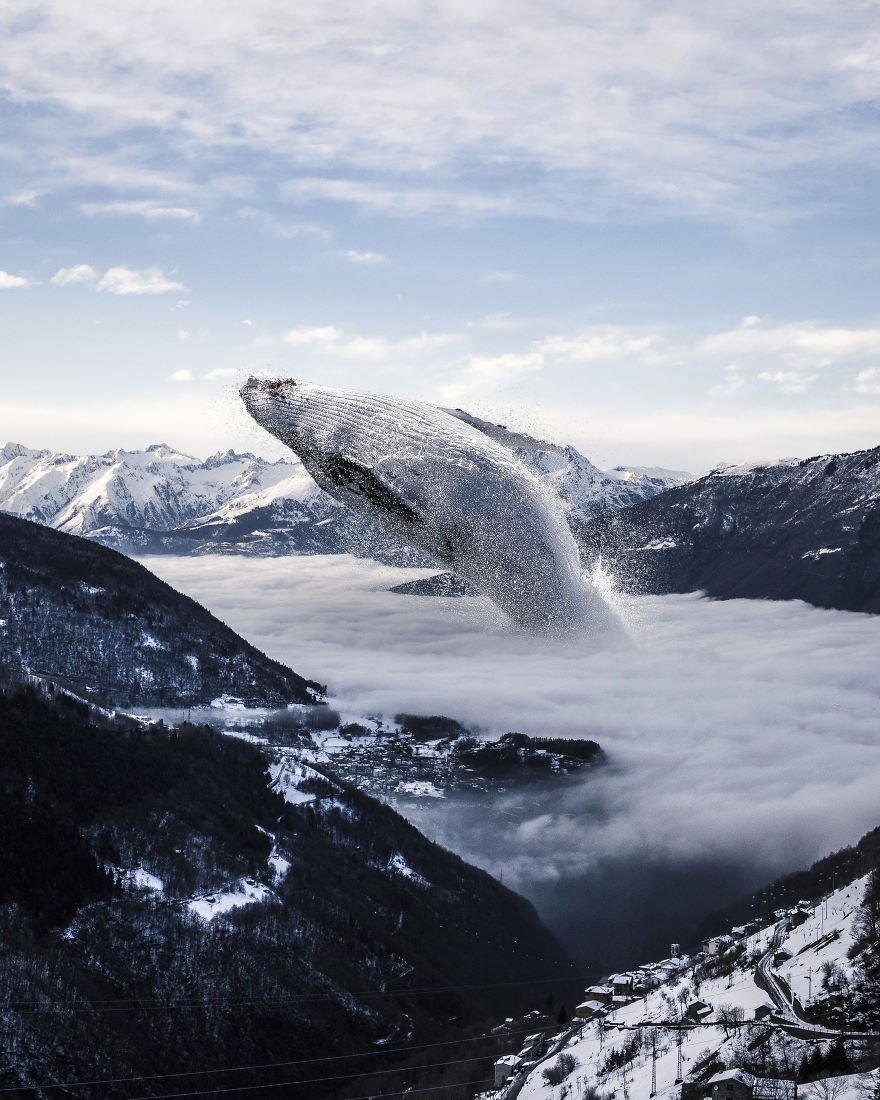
[368, 258]
[322, 336]
[287, 230]
[13, 282]
[608, 343]
[154, 211]
[752, 321]
[498, 322]
[183, 334]
[182, 376]
[740, 110]
[247, 323]
[800, 342]
[148, 280]
[733, 383]
[328, 340]
[868, 382]
[220, 374]
[408, 200]
[789, 381]
[27, 198]
[500, 368]
[79, 273]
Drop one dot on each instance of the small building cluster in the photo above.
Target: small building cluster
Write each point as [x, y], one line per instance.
[509, 1064]
[736, 1084]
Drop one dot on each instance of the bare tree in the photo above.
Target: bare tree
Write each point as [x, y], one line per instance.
[868, 1085]
[731, 1018]
[828, 1088]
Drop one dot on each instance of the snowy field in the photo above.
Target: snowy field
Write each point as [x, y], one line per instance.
[824, 938]
[735, 730]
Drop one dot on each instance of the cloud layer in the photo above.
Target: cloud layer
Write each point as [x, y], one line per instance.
[725, 113]
[741, 733]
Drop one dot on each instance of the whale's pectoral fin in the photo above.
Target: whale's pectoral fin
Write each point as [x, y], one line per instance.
[360, 479]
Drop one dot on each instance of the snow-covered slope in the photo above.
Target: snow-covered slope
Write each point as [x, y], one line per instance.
[791, 529]
[712, 1013]
[585, 488]
[162, 500]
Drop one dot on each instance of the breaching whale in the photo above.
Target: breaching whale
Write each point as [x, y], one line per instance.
[442, 486]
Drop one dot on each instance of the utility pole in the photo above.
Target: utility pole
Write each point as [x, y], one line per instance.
[678, 1044]
[654, 1064]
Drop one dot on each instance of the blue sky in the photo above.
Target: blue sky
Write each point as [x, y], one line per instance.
[652, 233]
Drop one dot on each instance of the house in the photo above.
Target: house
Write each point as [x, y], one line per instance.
[602, 993]
[716, 945]
[698, 1011]
[505, 1068]
[590, 1010]
[532, 1046]
[763, 1011]
[732, 1084]
[621, 984]
[782, 955]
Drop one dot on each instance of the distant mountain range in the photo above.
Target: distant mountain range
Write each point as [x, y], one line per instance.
[162, 501]
[806, 530]
[792, 529]
[101, 625]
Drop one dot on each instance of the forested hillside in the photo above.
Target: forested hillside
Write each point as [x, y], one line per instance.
[84, 615]
[353, 933]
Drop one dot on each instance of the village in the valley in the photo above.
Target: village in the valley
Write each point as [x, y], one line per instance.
[741, 1019]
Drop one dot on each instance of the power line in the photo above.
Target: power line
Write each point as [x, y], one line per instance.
[134, 1004]
[319, 1080]
[369, 1096]
[275, 1065]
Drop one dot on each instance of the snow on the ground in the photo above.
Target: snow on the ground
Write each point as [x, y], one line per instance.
[143, 880]
[824, 937]
[398, 865]
[851, 1086]
[244, 892]
[813, 945]
[287, 774]
[243, 735]
[422, 788]
[280, 866]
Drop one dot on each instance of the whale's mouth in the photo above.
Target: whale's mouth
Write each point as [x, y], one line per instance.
[265, 395]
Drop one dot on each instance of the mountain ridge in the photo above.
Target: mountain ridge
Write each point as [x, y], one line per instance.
[160, 500]
[804, 529]
[71, 609]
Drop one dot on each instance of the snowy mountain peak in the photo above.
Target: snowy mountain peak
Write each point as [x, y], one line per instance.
[161, 499]
[18, 450]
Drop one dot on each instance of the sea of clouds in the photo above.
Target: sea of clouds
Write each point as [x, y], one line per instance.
[742, 736]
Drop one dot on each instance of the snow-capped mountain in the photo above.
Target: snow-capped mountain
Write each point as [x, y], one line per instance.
[792, 529]
[586, 490]
[160, 500]
[788, 530]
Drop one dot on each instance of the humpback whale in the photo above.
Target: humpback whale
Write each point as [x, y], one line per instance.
[442, 486]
